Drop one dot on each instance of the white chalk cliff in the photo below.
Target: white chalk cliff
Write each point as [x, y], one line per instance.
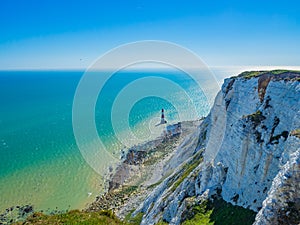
[247, 149]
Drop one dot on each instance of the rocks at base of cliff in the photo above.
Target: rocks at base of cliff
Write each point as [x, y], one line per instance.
[15, 214]
[144, 168]
[114, 200]
[142, 155]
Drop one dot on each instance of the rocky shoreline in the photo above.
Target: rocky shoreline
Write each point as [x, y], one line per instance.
[142, 169]
[20, 213]
[15, 213]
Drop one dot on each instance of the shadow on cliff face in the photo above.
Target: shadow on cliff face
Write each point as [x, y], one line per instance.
[218, 212]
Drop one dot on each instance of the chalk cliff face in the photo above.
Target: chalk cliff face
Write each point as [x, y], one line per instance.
[260, 113]
[248, 151]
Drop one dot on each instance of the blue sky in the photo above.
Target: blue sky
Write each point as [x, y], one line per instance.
[72, 34]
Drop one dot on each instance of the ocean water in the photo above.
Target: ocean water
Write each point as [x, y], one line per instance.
[40, 160]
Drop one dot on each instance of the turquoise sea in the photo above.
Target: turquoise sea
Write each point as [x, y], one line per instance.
[40, 161]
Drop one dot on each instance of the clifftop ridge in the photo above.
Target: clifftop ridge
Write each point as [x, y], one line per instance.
[273, 74]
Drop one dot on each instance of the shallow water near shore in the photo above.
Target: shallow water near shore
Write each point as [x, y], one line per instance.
[40, 161]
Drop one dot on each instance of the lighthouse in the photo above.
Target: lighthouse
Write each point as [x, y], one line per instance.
[162, 121]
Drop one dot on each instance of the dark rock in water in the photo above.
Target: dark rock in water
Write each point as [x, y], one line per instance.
[15, 213]
[27, 209]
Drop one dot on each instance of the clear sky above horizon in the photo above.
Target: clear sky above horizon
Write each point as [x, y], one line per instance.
[72, 34]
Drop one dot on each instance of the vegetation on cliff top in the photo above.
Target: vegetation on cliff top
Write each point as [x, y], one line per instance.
[292, 74]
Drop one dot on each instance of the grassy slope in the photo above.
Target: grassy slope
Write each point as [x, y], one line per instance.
[219, 212]
[80, 217]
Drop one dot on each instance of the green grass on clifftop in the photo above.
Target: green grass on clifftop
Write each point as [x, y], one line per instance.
[252, 74]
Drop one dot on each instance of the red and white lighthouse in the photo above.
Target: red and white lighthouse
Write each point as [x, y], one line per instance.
[162, 121]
